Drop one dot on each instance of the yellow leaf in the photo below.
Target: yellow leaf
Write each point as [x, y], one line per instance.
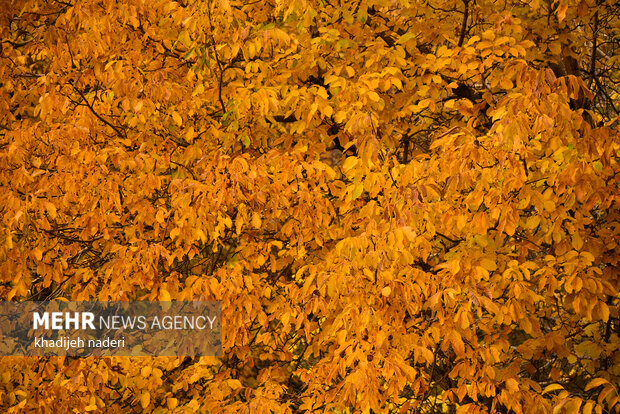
[603, 311]
[340, 116]
[434, 300]
[573, 405]
[38, 254]
[512, 384]
[190, 134]
[562, 12]
[373, 96]
[326, 110]
[177, 118]
[172, 403]
[409, 233]
[164, 295]
[488, 264]
[349, 163]
[386, 291]
[146, 371]
[256, 221]
[576, 241]
[322, 92]
[489, 304]
[505, 83]
[160, 216]
[145, 399]
[341, 336]
[51, 210]
[597, 382]
[457, 344]
[358, 189]
[234, 384]
[552, 387]
[532, 222]
[201, 235]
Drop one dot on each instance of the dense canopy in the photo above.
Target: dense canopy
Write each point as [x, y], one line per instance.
[404, 206]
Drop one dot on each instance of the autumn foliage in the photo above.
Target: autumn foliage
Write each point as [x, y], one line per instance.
[404, 207]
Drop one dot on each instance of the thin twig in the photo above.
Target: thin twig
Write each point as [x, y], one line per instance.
[116, 129]
[593, 58]
[217, 59]
[464, 24]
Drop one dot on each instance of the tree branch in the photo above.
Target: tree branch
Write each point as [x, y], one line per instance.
[593, 58]
[464, 24]
[116, 129]
[219, 63]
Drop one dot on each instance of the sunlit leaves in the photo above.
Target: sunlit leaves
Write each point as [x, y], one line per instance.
[394, 219]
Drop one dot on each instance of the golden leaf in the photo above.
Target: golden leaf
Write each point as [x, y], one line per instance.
[145, 399]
